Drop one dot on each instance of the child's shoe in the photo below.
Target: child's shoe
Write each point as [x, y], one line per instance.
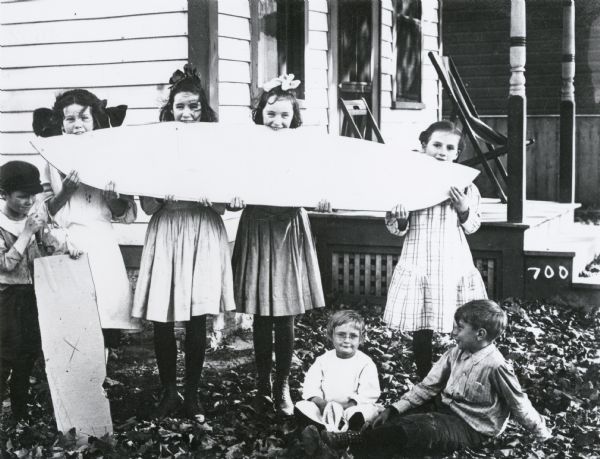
[283, 399]
[263, 402]
[341, 440]
[192, 407]
[169, 404]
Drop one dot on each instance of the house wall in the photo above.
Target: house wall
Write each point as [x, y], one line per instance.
[236, 60]
[402, 126]
[543, 158]
[124, 52]
[477, 38]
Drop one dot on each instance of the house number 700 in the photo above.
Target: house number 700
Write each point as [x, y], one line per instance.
[549, 273]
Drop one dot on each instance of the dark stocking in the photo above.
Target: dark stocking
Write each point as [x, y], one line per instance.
[262, 334]
[195, 349]
[284, 345]
[423, 351]
[165, 349]
[284, 349]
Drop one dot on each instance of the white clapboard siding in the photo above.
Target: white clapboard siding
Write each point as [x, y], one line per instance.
[234, 94]
[317, 40]
[234, 49]
[398, 124]
[234, 71]
[103, 52]
[316, 98]
[234, 61]
[142, 96]
[123, 51]
[15, 122]
[316, 66]
[318, 5]
[387, 17]
[314, 116]
[21, 121]
[240, 8]
[234, 27]
[318, 21]
[108, 74]
[52, 10]
[128, 27]
[316, 59]
[16, 143]
[316, 78]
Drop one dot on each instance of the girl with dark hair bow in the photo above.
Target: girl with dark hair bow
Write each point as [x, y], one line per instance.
[185, 272]
[87, 213]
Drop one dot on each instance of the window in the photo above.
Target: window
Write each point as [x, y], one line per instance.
[407, 23]
[278, 40]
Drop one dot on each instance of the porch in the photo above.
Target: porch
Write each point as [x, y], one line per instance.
[538, 258]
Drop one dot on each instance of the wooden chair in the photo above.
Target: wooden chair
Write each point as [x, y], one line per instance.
[488, 144]
[358, 120]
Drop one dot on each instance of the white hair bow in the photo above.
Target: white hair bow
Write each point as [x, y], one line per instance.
[286, 82]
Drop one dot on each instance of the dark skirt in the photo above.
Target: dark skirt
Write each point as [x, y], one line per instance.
[275, 267]
[19, 327]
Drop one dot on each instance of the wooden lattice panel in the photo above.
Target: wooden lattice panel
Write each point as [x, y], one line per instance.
[362, 274]
[487, 268]
[369, 274]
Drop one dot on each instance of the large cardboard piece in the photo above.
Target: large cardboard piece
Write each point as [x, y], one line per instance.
[290, 167]
[73, 344]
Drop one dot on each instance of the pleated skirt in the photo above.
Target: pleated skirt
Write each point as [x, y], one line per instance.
[275, 267]
[185, 269]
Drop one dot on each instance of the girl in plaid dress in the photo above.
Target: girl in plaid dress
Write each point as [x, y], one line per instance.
[435, 273]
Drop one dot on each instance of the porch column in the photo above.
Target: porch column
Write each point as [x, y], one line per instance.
[567, 106]
[517, 114]
[203, 52]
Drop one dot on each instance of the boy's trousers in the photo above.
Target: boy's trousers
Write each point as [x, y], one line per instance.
[20, 343]
[430, 430]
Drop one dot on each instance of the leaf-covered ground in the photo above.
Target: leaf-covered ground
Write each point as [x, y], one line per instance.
[555, 353]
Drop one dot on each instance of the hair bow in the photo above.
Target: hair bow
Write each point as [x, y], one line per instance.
[286, 82]
[188, 72]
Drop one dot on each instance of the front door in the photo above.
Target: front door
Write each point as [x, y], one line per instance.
[359, 51]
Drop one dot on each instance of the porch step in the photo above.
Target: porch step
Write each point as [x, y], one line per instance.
[548, 220]
[581, 240]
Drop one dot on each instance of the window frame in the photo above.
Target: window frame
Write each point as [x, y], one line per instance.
[399, 102]
[258, 47]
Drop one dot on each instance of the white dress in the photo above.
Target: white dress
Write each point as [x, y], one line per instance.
[337, 380]
[88, 220]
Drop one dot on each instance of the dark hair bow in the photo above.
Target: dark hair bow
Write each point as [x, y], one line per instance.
[188, 73]
[45, 123]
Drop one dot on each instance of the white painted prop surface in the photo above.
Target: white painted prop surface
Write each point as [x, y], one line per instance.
[291, 167]
[73, 345]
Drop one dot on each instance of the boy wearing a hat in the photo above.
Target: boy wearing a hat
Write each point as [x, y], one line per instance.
[20, 220]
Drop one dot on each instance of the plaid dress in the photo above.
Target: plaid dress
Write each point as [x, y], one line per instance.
[435, 273]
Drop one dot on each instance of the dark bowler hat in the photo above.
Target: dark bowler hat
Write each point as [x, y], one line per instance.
[20, 176]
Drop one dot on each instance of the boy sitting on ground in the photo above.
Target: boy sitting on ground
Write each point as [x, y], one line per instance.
[479, 391]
